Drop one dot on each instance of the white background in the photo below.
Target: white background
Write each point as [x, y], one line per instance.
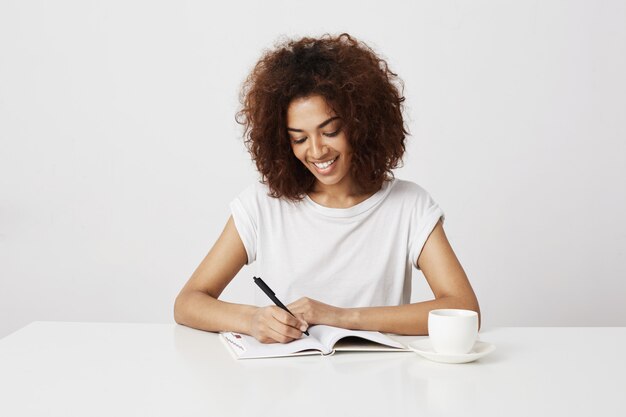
[119, 152]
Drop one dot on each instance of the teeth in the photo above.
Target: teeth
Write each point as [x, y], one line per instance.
[324, 165]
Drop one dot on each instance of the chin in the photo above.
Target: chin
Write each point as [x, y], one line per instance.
[334, 180]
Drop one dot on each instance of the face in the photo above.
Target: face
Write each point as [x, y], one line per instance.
[318, 140]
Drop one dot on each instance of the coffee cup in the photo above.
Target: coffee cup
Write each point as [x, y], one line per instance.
[452, 331]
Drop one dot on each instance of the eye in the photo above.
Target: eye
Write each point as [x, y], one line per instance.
[298, 141]
[332, 134]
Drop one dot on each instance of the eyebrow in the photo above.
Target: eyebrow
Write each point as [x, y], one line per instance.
[321, 125]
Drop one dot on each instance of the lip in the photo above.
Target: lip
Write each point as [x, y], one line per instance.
[328, 170]
[326, 160]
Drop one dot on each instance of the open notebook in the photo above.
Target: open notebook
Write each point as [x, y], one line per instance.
[324, 340]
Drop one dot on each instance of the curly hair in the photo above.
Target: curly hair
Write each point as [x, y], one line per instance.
[356, 84]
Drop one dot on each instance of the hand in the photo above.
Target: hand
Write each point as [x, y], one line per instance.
[315, 312]
[274, 325]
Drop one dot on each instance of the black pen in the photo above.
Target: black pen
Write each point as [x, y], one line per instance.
[268, 291]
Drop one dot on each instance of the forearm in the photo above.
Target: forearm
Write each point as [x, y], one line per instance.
[201, 311]
[408, 319]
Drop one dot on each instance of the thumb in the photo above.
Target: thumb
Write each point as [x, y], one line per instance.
[300, 317]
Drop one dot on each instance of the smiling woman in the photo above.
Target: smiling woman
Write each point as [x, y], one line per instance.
[356, 85]
[329, 227]
[323, 149]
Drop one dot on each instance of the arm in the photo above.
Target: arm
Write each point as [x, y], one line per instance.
[445, 276]
[197, 304]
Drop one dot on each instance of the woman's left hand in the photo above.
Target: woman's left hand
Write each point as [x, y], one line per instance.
[315, 312]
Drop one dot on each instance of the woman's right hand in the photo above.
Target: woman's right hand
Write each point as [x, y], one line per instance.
[272, 324]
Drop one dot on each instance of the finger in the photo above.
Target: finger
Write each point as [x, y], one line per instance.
[282, 333]
[277, 337]
[286, 317]
[298, 308]
[280, 315]
[270, 336]
[286, 324]
[296, 322]
[303, 323]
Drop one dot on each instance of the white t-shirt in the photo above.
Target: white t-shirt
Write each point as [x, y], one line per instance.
[348, 257]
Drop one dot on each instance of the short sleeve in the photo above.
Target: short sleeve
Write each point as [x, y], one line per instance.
[425, 215]
[245, 214]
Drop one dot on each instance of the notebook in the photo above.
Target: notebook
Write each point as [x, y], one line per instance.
[323, 340]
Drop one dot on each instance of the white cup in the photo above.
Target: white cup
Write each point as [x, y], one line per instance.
[452, 331]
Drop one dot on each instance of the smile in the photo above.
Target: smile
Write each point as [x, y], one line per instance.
[324, 165]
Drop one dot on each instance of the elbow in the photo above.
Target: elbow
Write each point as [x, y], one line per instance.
[467, 303]
[179, 309]
[475, 307]
[472, 306]
[471, 303]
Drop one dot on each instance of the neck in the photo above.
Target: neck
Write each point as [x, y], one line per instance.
[341, 195]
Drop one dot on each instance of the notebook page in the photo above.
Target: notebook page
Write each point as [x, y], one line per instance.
[246, 346]
[329, 335]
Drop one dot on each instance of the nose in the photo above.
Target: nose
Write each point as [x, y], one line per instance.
[318, 148]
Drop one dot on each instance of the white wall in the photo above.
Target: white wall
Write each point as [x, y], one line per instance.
[119, 152]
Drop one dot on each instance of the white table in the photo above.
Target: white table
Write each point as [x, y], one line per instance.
[104, 369]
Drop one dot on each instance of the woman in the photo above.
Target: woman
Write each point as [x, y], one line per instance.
[330, 229]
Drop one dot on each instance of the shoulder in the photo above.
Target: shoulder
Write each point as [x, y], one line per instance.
[408, 187]
[411, 197]
[408, 190]
[258, 194]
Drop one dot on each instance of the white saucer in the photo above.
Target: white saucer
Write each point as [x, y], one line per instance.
[425, 349]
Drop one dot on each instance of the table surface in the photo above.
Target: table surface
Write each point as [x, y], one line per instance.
[119, 369]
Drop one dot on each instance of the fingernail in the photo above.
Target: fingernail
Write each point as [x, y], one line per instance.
[303, 328]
